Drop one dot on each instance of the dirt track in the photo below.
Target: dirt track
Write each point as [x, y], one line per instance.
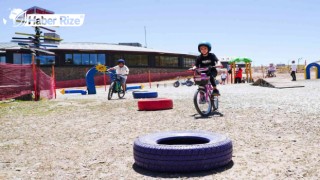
[275, 133]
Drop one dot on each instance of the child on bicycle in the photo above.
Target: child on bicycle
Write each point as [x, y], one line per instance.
[122, 71]
[207, 60]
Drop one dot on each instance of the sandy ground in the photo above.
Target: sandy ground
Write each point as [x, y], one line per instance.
[275, 133]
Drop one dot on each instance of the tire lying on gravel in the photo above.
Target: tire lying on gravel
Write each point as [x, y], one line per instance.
[182, 151]
[138, 91]
[143, 94]
[155, 104]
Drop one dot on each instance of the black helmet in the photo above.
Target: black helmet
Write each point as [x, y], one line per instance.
[204, 43]
[121, 61]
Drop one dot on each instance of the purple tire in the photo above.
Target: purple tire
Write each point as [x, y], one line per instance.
[182, 151]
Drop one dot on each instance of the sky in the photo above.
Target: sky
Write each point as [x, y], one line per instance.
[267, 31]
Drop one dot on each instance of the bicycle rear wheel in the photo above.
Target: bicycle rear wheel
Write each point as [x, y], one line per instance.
[121, 92]
[110, 93]
[202, 103]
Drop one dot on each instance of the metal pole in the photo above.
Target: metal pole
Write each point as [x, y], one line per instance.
[145, 36]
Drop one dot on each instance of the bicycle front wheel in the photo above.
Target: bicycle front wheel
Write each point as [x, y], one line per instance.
[202, 103]
[121, 92]
[110, 93]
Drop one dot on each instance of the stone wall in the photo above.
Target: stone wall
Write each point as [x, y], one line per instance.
[72, 73]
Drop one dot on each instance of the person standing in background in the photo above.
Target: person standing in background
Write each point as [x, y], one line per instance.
[238, 75]
[293, 71]
[223, 78]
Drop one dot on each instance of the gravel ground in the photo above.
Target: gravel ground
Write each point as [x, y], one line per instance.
[275, 133]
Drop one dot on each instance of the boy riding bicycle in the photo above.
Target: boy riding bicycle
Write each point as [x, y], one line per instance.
[122, 71]
[208, 60]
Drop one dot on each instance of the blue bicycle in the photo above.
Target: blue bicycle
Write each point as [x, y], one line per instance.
[115, 86]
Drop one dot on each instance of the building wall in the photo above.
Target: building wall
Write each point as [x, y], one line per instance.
[71, 73]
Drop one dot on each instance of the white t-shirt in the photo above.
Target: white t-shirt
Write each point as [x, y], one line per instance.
[293, 67]
[123, 71]
[223, 76]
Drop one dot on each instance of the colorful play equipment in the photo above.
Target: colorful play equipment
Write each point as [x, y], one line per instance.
[182, 151]
[91, 87]
[248, 70]
[307, 70]
[135, 87]
[73, 91]
[155, 104]
[144, 94]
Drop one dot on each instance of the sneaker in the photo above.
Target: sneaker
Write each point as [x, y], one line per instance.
[215, 92]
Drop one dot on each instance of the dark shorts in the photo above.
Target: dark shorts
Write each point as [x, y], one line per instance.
[122, 79]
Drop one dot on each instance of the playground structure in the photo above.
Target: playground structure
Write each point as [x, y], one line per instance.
[91, 87]
[307, 74]
[248, 69]
[135, 87]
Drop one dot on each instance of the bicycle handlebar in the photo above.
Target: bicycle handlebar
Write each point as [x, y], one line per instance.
[205, 69]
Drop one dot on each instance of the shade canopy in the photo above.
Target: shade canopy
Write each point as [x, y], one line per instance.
[246, 60]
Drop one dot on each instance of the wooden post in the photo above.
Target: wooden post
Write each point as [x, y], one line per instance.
[34, 77]
[37, 74]
[247, 71]
[233, 72]
[104, 81]
[250, 71]
[54, 82]
[149, 79]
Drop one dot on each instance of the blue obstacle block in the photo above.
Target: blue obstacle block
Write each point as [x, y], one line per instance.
[144, 94]
[83, 92]
[133, 87]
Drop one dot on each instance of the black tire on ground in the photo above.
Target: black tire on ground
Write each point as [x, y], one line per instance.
[176, 84]
[138, 91]
[182, 151]
[189, 83]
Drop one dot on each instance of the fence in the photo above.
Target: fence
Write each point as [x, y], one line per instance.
[18, 80]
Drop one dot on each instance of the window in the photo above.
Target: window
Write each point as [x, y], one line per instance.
[116, 57]
[47, 60]
[132, 59]
[93, 59]
[2, 59]
[136, 60]
[19, 58]
[101, 59]
[77, 59]
[166, 61]
[189, 62]
[85, 59]
[26, 58]
[68, 59]
[16, 58]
